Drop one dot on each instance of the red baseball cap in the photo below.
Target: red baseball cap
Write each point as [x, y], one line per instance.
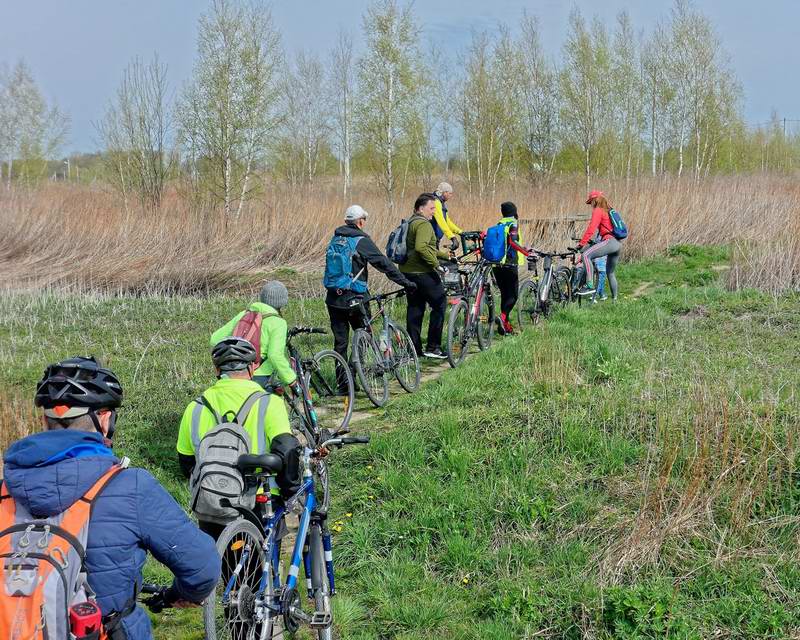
[593, 195]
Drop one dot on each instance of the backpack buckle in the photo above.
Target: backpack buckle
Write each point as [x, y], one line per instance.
[25, 540]
[44, 541]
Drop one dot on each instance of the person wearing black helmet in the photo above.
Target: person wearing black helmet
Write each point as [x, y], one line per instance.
[267, 421]
[48, 473]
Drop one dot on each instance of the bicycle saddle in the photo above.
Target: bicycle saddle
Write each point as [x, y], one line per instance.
[268, 463]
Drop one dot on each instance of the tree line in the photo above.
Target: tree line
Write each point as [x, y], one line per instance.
[616, 101]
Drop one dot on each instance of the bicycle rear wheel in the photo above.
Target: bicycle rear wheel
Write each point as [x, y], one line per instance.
[457, 336]
[233, 617]
[485, 328]
[330, 386]
[559, 291]
[319, 581]
[405, 362]
[528, 308]
[565, 275]
[368, 363]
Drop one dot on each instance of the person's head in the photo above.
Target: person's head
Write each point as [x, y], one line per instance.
[80, 394]
[597, 199]
[356, 216]
[444, 191]
[425, 205]
[275, 294]
[509, 210]
[234, 357]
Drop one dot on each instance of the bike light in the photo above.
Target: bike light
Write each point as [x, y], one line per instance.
[235, 546]
[262, 498]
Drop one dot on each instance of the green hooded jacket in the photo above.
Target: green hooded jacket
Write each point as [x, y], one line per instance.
[273, 342]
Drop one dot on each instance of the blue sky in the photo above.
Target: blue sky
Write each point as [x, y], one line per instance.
[78, 48]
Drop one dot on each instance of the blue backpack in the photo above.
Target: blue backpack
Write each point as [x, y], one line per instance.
[494, 244]
[618, 227]
[339, 265]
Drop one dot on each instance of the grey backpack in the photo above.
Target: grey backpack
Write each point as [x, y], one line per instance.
[397, 246]
[216, 476]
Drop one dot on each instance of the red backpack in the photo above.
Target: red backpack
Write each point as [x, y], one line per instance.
[249, 328]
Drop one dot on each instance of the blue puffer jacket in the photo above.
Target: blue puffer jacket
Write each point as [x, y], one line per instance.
[133, 515]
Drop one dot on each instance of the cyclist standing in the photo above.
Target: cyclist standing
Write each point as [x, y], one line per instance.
[48, 473]
[443, 224]
[422, 268]
[346, 279]
[507, 272]
[267, 312]
[608, 246]
[267, 422]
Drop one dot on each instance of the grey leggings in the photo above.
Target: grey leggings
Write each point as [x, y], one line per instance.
[609, 247]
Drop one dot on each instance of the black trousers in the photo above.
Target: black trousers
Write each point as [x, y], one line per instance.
[430, 292]
[342, 320]
[508, 282]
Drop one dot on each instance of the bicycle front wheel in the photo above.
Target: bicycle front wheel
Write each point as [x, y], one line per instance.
[405, 362]
[485, 329]
[457, 336]
[368, 363]
[319, 582]
[330, 386]
[528, 309]
[229, 613]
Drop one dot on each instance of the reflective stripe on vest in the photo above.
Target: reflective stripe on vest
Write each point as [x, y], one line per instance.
[509, 222]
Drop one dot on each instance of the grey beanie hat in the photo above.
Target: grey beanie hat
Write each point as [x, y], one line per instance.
[275, 294]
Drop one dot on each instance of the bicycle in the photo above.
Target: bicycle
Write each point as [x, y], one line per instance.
[393, 351]
[327, 389]
[538, 297]
[250, 596]
[472, 311]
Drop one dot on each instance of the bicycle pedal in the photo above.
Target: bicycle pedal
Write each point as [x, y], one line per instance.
[321, 620]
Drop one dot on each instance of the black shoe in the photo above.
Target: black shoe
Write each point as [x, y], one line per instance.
[585, 290]
[500, 328]
[435, 353]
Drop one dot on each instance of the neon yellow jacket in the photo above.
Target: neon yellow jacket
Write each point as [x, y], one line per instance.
[229, 394]
[443, 222]
[273, 342]
[512, 229]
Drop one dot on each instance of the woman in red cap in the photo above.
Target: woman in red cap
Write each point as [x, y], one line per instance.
[608, 245]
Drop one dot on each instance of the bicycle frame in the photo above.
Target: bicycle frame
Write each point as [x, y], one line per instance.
[384, 341]
[272, 548]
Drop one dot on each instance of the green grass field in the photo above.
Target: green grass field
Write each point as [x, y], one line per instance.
[625, 471]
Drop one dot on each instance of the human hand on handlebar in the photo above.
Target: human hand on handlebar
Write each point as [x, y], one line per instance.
[453, 244]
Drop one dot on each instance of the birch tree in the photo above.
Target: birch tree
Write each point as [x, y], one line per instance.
[341, 79]
[388, 89]
[585, 87]
[137, 134]
[229, 109]
[540, 101]
[31, 130]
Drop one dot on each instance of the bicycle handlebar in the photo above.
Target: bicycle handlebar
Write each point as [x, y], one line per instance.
[159, 600]
[294, 331]
[342, 441]
[378, 297]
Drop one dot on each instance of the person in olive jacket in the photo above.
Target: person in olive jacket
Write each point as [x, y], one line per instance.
[422, 268]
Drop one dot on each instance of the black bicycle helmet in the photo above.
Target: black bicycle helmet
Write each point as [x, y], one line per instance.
[79, 382]
[233, 354]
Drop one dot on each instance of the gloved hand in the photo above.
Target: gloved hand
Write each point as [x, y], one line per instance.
[411, 287]
[453, 243]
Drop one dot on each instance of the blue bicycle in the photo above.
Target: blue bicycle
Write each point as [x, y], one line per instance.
[250, 598]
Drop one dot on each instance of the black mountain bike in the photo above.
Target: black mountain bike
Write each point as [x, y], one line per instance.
[383, 350]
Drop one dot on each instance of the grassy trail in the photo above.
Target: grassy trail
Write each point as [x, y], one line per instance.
[626, 471]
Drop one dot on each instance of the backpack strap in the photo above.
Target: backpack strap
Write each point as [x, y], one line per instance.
[8, 511]
[248, 405]
[200, 404]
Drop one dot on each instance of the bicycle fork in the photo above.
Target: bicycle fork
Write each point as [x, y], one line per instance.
[547, 280]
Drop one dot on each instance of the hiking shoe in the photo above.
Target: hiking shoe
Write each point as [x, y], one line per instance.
[435, 353]
[501, 330]
[585, 290]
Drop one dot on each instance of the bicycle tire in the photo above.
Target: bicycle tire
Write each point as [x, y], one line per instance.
[457, 337]
[485, 329]
[325, 383]
[405, 362]
[216, 617]
[558, 292]
[566, 274]
[319, 579]
[528, 308]
[368, 363]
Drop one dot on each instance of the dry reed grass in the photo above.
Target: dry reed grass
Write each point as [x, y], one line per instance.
[67, 236]
[18, 418]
